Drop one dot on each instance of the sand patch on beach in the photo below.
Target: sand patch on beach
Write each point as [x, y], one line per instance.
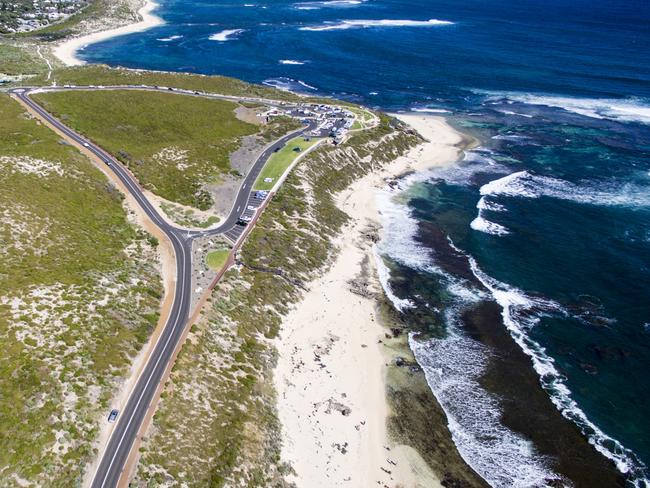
[330, 375]
[67, 50]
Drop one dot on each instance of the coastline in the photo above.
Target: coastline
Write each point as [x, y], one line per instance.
[66, 52]
[332, 361]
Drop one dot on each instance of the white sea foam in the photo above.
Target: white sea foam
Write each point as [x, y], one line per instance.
[327, 4]
[510, 112]
[226, 35]
[306, 85]
[520, 313]
[526, 185]
[361, 24]
[399, 229]
[481, 224]
[288, 84]
[510, 137]
[499, 455]
[383, 273]
[430, 110]
[169, 39]
[619, 109]
[452, 368]
[485, 204]
[291, 61]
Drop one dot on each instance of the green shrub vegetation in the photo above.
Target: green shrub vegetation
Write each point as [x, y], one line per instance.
[216, 425]
[19, 60]
[174, 144]
[78, 298]
[280, 161]
[103, 75]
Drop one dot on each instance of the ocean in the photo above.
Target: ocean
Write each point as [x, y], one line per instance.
[523, 272]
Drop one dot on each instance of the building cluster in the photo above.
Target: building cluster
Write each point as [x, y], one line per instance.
[332, 121]
[28, 15]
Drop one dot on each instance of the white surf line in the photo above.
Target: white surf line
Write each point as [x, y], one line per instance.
[49, 65]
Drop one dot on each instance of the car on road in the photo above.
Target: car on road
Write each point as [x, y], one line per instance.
[276, 149]
[113, 415]
[86, 144]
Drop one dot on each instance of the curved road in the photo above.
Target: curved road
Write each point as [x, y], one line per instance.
[132, 415]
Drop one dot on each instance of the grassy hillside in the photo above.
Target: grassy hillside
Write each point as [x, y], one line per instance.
[103, 75]
[216, 425]
[173, 143]
[20, 60]
[78, 297]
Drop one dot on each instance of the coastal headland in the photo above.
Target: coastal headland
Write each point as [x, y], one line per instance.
[290, 363]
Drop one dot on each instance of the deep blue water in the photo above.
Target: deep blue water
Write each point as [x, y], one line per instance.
[558, 93]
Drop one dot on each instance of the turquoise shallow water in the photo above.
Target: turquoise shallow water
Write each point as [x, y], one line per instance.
[549, 218]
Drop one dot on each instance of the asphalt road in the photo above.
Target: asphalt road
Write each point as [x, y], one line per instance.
[132, 415]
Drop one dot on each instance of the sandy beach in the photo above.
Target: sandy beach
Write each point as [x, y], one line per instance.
[67, 50]
[330, 375]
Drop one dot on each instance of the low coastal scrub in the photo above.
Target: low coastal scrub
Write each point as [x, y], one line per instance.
[103, 75]
[216, 424]
[79, 295]
[174, 144]
[19, 60]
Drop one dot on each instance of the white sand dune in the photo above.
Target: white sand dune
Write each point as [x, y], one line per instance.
[330, 359]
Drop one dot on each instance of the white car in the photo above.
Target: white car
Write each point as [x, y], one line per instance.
[86, 144]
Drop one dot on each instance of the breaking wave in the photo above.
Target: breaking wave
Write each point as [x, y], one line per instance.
[169, 39]
[527, 185]
[618, 109]
[226, 35]
[327, 4]
[500, 456]
[361, 24]
[383, 273]
[399, 229]
[481, 224]
[430, 110]
[288, 84]
[520, 313]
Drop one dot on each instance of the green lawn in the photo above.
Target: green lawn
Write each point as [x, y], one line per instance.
[363, 117]
[75, 305]
[174, 144]
[216, 259]
[280, 161]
